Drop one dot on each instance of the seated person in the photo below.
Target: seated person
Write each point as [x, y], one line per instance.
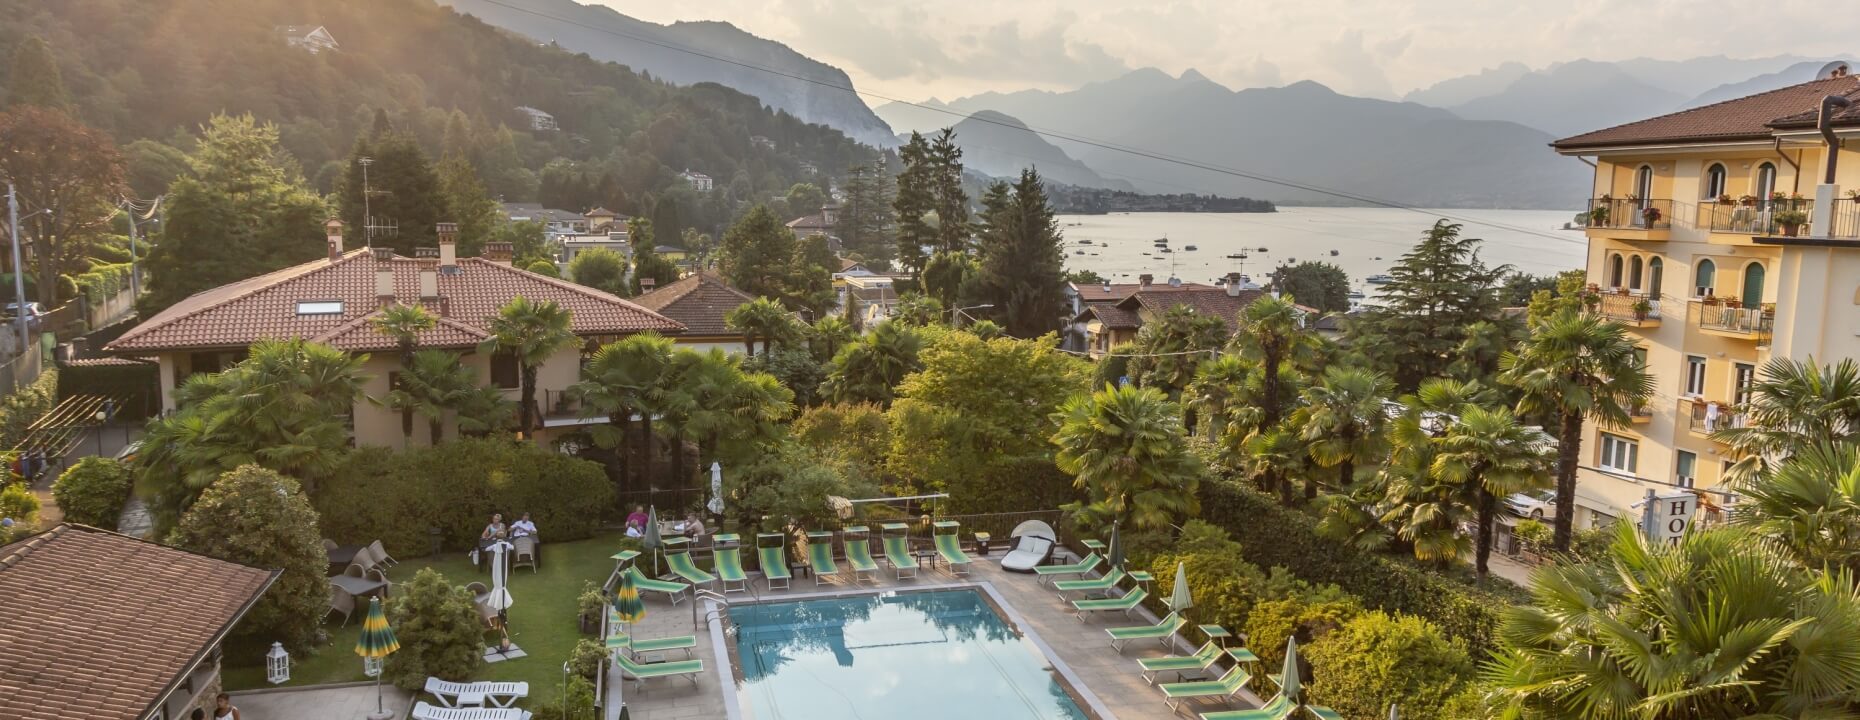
[692, 526]
[524, 527]
[636, 522]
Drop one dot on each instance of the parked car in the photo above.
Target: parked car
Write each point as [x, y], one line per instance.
[35, 314]
[1535, 504]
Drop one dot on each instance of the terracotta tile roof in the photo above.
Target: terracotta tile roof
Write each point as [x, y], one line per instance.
[1745, 118]
[815, 221]
[102, 626]
[109, 362]
[699, 301]
[849, 263]
[1207, 301]
[1096, 292]
[1112, 316]
[1807, 118]
[266, 306]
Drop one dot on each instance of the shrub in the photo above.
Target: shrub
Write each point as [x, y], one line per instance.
[585, 661]
[1224, 586]
[788, 485]
[1377, 659]
[1273, 535]
[102, 282]
[1273, 621]
[93, 491]
[578, 704]
[397, 496]
[21, 508]
[853, 432]
[439, 630]
[19, 410]
[257, 517]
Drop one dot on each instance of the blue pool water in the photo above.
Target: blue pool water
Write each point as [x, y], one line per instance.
[910, 656]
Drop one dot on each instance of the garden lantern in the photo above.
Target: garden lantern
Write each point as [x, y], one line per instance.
[277, 665]
[371, 667]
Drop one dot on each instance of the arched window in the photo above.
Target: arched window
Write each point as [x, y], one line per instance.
[1715, 181]
[1753, 285]
[1766, 183]
[1654, 268]
[1634, 265]
[1703, 277]
[1614, 271]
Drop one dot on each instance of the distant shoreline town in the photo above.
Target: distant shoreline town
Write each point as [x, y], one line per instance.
[1097, 201]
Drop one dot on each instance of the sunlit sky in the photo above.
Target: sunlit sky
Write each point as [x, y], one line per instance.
[1375, 48]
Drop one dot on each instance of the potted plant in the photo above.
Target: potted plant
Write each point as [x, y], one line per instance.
[1733, 303]
[1621, 291]
[1791, 221]
[1651, 215]
[1598, 215]
[1724, 199]
[1641, 309]
[1710, 299]
[1747, 200]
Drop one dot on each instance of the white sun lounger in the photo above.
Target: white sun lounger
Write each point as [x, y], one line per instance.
[500, 694]
[423, 711]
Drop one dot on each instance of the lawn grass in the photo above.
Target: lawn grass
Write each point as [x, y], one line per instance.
[542, 621]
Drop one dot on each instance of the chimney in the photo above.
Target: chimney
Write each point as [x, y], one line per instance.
[448, 245]
[429, 272]
[384, 273]
[1145, 279]
[1233, 284]
[334, 227]
[498, 252]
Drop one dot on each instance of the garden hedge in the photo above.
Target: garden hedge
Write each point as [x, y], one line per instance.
[1273, 535]
[93, 491]
[396, 496]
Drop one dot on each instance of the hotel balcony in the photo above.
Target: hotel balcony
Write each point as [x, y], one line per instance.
[1640, 414]
[1630, 219]
[1630, 309]
[1704, 417]
[1844, 221]
[1739, 222]
[1727, 318]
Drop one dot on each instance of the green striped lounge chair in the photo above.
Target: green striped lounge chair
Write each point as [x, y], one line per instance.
[1102, 584]
[774, 561]
[820, 555]
[673, 590]
[1081, 567]
[729, 562]
[949, 547]
[1323, 713]
[641, 672]
[1181, 665]
[1162, 631]
[1279, 707]
[618, 640]
[685, 567]
[1124, 604]
[1229, 685]
[859, 552]
[898, 549]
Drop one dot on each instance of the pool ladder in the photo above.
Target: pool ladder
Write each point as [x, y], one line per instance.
[721, 613]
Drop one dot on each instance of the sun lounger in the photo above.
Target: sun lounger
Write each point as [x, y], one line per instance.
[1163, 631]
[1228, 686]
[501, 694]
[949, 548]
[730, 569]
[683, 566]
[774, 560]
[1082, 567]
[1278, 708]
[619, 640]
[1323, 713]
[640, 672]
[859, 552]
[1181, 665]
[1100, 584]
[674, 591]
[1123, 604]
[820, 555]
[898, 551]
[423, 711]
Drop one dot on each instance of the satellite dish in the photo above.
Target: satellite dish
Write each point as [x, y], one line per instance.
[1836, 69]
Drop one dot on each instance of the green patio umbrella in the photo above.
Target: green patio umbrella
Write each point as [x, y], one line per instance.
[1288, 678]
[1116, 553]
[627, 604]
[376, 643]
[1179, 600]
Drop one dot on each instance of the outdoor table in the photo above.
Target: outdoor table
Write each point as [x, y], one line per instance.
[1142, 577]
[1093, 545]
[341, 556]
[358, 587]
[1242, 655]
[1216, 632]
[625, 556]
[725, 538]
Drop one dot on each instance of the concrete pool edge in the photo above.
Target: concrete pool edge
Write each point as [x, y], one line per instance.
[736, 710]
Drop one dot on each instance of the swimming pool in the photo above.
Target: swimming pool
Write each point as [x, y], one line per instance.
[904, 656]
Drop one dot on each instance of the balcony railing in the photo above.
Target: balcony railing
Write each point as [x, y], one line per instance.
[1722, 317]
[1630, 214]
[1758, 217]
[1708, 416]
[562, 405]
[1844, 221]
[1628, 307]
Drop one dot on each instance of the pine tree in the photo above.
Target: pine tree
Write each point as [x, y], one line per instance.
[402, 190]
[466, 203]
[1022, 271]
[951, 204]
[647, 262]
[34, 78]
[915, 199]
[1440, 289]
[754, 251]
[867, 220]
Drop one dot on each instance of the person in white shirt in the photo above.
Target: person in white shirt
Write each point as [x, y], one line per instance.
[523, 527]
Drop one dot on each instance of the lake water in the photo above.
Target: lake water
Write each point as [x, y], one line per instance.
[1367, 241]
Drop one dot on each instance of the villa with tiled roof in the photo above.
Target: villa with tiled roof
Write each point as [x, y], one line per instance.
[335, 301]
[701, 302]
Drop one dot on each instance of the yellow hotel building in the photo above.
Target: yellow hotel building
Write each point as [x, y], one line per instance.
[1722, 236]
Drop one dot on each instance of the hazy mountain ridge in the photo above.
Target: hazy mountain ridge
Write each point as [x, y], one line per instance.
[817, 99]
[1001, 146]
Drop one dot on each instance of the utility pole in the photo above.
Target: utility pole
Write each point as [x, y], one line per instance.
[368, 217]
[19, 276]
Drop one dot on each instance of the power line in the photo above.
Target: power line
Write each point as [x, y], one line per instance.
[1082, 140]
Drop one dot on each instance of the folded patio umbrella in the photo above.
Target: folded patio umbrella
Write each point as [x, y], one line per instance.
[1180, 599]
[716, 489]
[1288, 678]
[1116, 558]
[627, 604]
[376, 643]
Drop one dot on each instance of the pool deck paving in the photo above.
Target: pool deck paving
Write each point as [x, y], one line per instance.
[1112, 678]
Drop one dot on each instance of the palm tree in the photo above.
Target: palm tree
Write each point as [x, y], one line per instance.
[1794, 405]
[1418, 506]
[625, 379]
[870, 369]
[828, 335]
[1125, 448]
[1490, 455]
[1717, 626]
[1272, 335]
[437, 383]
[404, 323]
[531, 333]
[763, 319]
[1576, 366]
[1216, 392]
[1172, 347]
[1342, 420]
[1810, 505]
[711, 398]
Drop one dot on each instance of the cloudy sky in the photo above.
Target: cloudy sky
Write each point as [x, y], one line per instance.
[1377, 48]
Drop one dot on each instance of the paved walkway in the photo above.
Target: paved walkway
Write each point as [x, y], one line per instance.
[354, 702]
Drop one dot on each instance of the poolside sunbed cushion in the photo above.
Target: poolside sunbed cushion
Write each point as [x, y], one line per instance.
[774, 563]
[1105, 582]
[1229, 684]
[646, 584]
[859, 554]
[951, 552]
[898, 552]
[642, 671]
[1163, 628]
[1081, 567]
[1203, 657]
[1278, 708]
[682, 564]
[730, 565]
